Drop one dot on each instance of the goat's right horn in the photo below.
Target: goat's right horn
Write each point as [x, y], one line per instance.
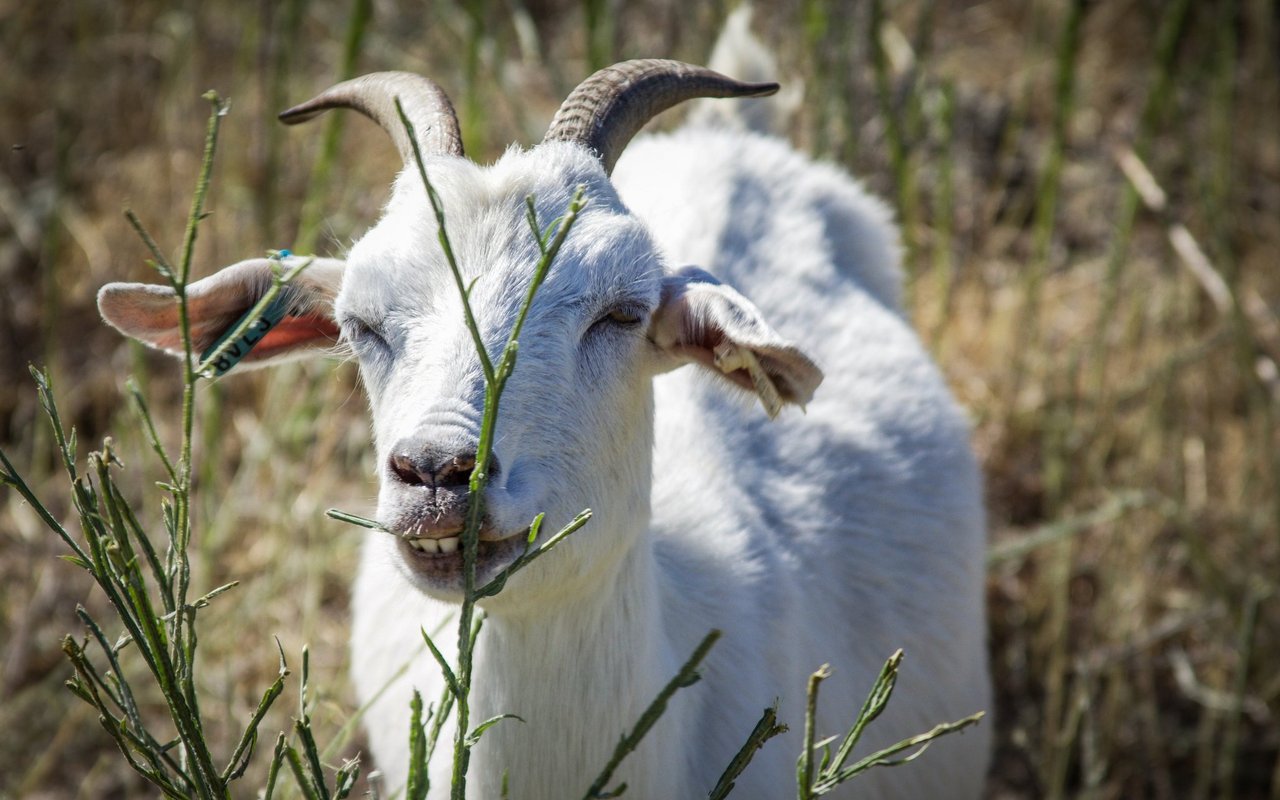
[425, 104]
[612, 105]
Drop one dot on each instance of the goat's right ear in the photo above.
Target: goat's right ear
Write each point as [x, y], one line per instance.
[149, 313]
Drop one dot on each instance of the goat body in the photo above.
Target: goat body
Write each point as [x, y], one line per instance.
[835, 536]
[830, 537]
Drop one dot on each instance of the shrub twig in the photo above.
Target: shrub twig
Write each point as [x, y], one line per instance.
[148, 594]
[684, 678]
[832, 771]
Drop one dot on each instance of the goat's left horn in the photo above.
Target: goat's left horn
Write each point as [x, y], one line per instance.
[612, 105]
[374, 95]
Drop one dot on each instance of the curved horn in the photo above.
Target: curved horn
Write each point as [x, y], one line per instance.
[611, 106]
[374, 95]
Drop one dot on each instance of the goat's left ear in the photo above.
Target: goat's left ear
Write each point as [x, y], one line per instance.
[701, 320]
[149, 313]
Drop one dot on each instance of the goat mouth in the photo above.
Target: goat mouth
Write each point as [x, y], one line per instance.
[438, 560]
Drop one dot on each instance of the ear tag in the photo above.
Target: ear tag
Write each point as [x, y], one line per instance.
[729, 357]
[257, 330]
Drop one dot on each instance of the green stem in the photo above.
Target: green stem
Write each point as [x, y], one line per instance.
[804, 771]
[183, 637]
[685, 677]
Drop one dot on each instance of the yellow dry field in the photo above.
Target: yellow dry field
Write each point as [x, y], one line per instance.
[1117, 351]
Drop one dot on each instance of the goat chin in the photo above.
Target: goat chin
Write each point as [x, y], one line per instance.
[836, 536]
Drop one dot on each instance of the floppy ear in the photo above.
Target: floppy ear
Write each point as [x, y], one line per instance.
[149, 313]
[701, 320]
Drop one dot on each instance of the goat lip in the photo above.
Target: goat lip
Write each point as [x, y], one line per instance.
[420, 533]
[423, 527]
[438, 559]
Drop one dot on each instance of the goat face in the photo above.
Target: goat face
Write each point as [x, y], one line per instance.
[574, 421]
[575, 427]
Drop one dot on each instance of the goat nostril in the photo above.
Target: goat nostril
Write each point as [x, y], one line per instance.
[456, 471]
[435, 467]
[407, 471]
[417, 462]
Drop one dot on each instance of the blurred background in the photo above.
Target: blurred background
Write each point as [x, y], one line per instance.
[1090, 201]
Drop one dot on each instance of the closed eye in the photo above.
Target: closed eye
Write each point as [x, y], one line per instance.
[622, 317]
[364, 338]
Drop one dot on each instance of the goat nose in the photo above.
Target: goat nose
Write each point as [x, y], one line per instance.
[435, 467]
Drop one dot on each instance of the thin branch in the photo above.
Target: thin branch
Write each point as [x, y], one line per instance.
[765, 729]
[687, 676]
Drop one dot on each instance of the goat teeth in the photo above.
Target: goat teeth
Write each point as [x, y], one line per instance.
[449, 544]
[425, 545]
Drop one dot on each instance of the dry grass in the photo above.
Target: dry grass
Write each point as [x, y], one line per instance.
[1122, 416]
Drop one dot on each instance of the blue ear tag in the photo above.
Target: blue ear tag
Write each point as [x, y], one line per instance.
[270, 317]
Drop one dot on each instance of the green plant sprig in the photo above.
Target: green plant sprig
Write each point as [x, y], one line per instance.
[149, 594]
[832, 772]
[530, 553]
[687, 676]
[495, 378]
[767, 728]
[278, 283]
[165, 640]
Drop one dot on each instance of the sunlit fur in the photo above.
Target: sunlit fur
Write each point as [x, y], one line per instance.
[832, 536]
[575, 430]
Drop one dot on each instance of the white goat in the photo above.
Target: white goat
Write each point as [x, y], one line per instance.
[833, 536]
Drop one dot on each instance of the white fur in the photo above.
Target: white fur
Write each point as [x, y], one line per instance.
[833, 536]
